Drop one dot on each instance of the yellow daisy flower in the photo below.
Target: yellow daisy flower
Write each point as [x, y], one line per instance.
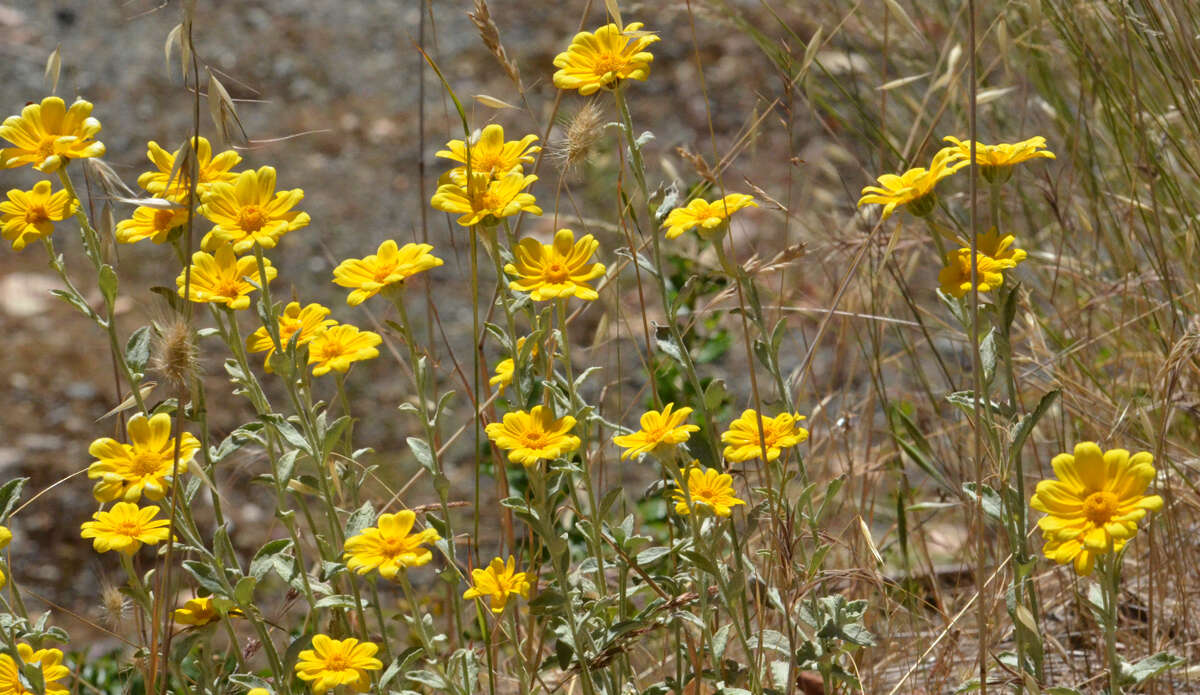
[484, 200]
[48, 135]
[498, 582]
[661, 431]
[506, 368]
[390, 546]
[333, 663]
[247, 211]
[913, 188]
[5, 539]
[999, 247]
[996, 161]
[388, 266]
[223, 278]
[780, 432]
[708, 489]
[150, 223]
[557, 270]
[529, 437]
[210, 170]
[490, 154]
[712, 218]
[125, 528]
[30, 215]
[338, 347]
[1095, 505]
[48, 661]
[201, 611]
[309, 322]
[955, 276]
[599, 60]
[143, 466]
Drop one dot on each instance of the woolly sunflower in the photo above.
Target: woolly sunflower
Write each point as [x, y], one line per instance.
[490, 154]
[996, 161]
[125, 528]
[780, 432]
[30, 215]
[48, 661]
[143, 466]
[482, 200]
[955, 276]
[223, 278]
[529, 437]
[48, 135]
[506, 368]
[661, 431]
[389, 546]
[1095, 504]
[150, 223]
[336, 348]
[498, 583]
[599, 60]
[712, 218]
[556, 270]
[333, 663]
[309, 322]
[201, 611]
[248, 211]
[210, 170]
[709, 489]
[390, 265]
[913, 188]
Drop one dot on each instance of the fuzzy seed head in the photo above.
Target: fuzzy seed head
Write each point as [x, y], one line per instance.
[173, 354]
[583, 131]
[114, 606]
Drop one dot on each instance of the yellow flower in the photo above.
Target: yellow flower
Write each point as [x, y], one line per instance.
[913, 188]
[1095, 504]
[529, 437]
[712, 218]
[143, 466]
[499, 581]
[201, 611]
[999, 247]
[780, 432]
[48, 661]
[558, 270]
[125, 528]
[5, 538]
[708, 489]
[223, 278]
[598, 61]
[30, 215]
[390, 265]
[332, 663]
[309, 322]
[955, 276]
[390, 546]
[660, 432]
[338, 347]
[996, 161]
[484, 200]
[490, 154]
[210, 169]
[150, 223]
[47, 135]
[247, 211]
[506, 368]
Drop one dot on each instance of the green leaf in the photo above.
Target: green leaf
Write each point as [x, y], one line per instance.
[108, 284]
[1025, 427]
[243, 593]
[422, 452]
[362, 518]
[74, 301]
[993, 506]
[137, 349]
[10, 493]
[1150, 667]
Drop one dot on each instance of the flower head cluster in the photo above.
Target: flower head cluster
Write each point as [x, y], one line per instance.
[996, 161]
[338, 347]
[143, 466]
[711, 218]
[995, 253]
[48, 135]
[223, 278]
[1095, 505]
[201, 611]
[305, 324]
[661, 432]
[498, 583]
[125, 528]
[506, 368]
[30, 215]
[170, 179]
[707, 489]
[557, 270]
[5, 539]
[48, 661]
[389, 546]
[488, 153]
[247, 211]
[482, 199]
[391, 265]
[778, 433]
[332, 663]
[529, 437]
[913, 188]
[153, 223]
[600, 60]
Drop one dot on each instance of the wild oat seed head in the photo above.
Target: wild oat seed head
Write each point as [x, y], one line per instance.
[581, 134]
[173, 353]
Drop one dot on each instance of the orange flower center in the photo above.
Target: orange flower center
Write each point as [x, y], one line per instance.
[127, 527]
[485, 163]
[46, 146]
[706, 495]
[393, 547]
[607, 64]
[145, 463]
[557, 271]
[230, 288]
[337, 662]
[534, 440]
[163, 219]
[36, 214]
[1099, 507]
[251, 218]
